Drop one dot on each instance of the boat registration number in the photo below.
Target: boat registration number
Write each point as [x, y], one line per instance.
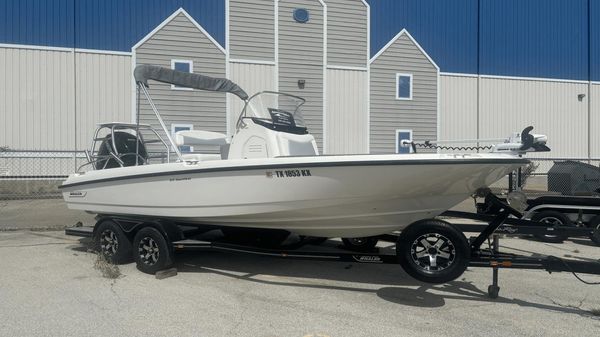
[288, 173]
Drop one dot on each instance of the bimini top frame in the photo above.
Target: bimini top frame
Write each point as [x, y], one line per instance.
[145, 72]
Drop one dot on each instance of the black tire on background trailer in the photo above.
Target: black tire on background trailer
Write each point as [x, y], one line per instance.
[112, 242]
[151, 250]
[421, 245]
[365, 244]
[595, 224]
[552, 217]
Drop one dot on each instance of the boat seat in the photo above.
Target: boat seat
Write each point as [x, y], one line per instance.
[200, 137]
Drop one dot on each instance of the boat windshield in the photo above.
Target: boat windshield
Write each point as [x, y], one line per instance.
[275, 110]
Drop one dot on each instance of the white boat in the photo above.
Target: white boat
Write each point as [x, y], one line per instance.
[270, 174]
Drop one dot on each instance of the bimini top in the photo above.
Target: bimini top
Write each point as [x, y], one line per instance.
[145, 72]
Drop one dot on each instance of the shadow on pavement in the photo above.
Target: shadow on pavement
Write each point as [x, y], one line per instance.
[395, 285]
[398, 287]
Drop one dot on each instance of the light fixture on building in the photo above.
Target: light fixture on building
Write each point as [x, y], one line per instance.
[580, 97]
[301, 84]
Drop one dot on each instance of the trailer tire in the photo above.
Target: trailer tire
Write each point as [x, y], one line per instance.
[151, 250]
[595, 224]
[365, 244]
[421, 245]
[112, 243]
[551, 217]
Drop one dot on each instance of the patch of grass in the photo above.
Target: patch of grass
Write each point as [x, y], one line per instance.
[108, 269]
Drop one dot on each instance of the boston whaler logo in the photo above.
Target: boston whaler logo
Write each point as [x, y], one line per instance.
[77, 194]
[367, 258]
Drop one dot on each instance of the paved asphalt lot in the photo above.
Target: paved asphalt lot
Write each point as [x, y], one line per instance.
[49, 287]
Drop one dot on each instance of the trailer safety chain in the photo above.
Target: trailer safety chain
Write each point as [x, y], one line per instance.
[572, 271]
[428, 145]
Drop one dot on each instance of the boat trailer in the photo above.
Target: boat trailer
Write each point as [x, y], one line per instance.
[181, 238]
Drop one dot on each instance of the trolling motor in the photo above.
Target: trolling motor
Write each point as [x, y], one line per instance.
[518, 143]
[525, 142]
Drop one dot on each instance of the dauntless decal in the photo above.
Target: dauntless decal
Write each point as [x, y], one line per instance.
[288, 173]
[77, 194]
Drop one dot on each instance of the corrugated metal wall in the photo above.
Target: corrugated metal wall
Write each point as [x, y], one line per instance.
[547, 38]
[99, 24]
[535, 38]
[252, 78]
[594, 40]
[458, 107]
[103, 93]
[595, 122]
[37, 106]
[388, 113]
[553, 108]
[446, 29]
[347, 121]
[509, 105]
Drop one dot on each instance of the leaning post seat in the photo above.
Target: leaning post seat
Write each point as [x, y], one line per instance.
[125, 144]
[202, 137]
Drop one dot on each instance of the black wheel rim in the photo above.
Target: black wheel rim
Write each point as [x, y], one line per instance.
[148, 251]
[433, 252]
[109, 242]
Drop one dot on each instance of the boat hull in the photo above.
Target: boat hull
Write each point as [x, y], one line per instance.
[348, 196]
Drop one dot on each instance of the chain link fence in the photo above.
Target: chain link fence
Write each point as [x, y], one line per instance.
[29, 194]
[560, 176]
[35, 174]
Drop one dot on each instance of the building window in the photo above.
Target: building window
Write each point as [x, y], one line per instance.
[402, 135]
[301, 15]
[404, 83]
[182, 127]
[186, 66]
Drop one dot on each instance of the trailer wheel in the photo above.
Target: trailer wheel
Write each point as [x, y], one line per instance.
[365, 244]
[595, 224]
[555, 219]
[433, 251]
[152, 252]
[112, 242]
